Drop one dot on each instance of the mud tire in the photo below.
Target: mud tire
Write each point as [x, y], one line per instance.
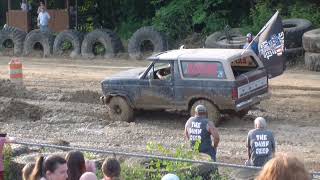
[214, 114]
[16, 35]
[294, 30]
[74, 37]
[218, 40]
[311, 41]
[44, 38]
[148, 33]
[312, 61]
[107, 38]
[292, 54]
[120, 110]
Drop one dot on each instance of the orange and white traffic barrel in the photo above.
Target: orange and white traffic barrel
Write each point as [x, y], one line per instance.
[15, 71]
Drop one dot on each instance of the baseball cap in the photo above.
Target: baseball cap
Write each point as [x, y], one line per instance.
[249, 35]
[200, 108]
[170, 177]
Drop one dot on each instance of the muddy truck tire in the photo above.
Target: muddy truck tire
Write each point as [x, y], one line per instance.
[219, 40]
[312, 61]
[292, 54]
[16, 35]
[72, 36]
[120, 110]
[294, 30]
[107, 38]
[213, 112]
[311, 41]
[148, 33]
[36, 36]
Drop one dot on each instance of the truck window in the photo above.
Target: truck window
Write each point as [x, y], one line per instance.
[160, 71]
[204, 70]
[243, 65]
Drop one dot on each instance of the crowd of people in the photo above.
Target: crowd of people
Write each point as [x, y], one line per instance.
[260, 147]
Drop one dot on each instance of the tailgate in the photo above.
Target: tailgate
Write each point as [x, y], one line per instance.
[251, 84]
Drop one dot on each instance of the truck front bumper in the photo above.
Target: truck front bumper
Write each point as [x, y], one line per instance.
[250, 102]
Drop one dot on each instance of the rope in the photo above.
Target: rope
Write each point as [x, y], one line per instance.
[148, 156]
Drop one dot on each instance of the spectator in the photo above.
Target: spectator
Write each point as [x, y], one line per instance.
[284, 167]
[43, 19]
[90, 166]
[254, 44]
[201, 128]
[40, 6]
[111, 169]
[170, 177]
[49, 168]
[88, 176]
[3, 139]
[24, 5]
[76, 165]
[27, 170]
[260, 143]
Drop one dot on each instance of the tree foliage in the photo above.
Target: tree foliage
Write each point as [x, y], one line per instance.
[179, 18]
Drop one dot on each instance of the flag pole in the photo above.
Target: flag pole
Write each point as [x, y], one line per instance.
[261, 31]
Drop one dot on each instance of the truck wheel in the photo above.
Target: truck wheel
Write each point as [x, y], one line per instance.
[213, 112]
[120, 110]
[219, 40]
[44, 38]
[312, 61]
[72, 36]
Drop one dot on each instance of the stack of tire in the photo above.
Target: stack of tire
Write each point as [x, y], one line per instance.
[219, 39]
[311, 44]
[158, 40]
[293, 32]
[16, 35]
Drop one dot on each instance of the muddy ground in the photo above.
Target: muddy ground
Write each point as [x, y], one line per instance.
[60, 101]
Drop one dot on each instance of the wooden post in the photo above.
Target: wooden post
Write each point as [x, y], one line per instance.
[67, 5]
[9, 5]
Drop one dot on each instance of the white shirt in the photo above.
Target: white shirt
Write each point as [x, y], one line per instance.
[24, 7]
[44, 18]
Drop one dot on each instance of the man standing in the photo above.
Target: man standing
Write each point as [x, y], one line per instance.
[43, 19]
[199, 128]
[260, 143]
[253, 45]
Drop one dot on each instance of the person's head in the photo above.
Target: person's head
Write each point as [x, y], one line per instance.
[200, 111]
[284, 167]
[260, 123]
[170, 177]
[88, 176]
[111, 168]
[249, 37]
[27, 170]
[76, 164]
[51, 167]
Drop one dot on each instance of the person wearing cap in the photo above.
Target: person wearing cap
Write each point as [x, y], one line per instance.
[165, 73]
[200, 128]
[254, 44]
[260, 143]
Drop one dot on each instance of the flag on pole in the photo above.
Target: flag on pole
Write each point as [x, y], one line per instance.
[271, 46]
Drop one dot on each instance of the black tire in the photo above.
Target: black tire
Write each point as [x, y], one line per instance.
[312, 61]
[219, 40]
[213, 112]
[293, 53]
[107, 38]
[16, 35]
[149, 33]
[72, 36]
[311, 41]
[120, 110]
[36, 36]
[293, 31]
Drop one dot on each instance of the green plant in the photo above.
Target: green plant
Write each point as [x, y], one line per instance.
[66, 45]
[306, 11]
[89, 155]
[7, 153]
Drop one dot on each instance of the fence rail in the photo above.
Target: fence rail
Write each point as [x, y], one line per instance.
[148, 156]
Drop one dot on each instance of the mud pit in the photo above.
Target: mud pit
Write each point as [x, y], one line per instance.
[65, 93]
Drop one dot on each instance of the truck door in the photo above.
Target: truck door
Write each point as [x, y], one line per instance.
[157, 86]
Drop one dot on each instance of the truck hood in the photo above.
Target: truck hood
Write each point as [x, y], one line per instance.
[126, 75]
